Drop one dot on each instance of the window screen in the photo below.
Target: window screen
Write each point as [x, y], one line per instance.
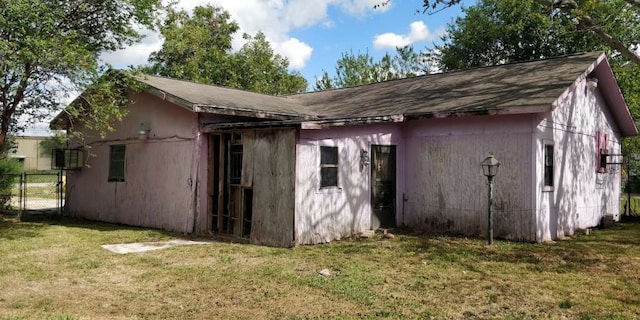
[328, 167]
[116, 162]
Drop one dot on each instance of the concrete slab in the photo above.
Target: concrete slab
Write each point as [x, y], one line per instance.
[124, 248]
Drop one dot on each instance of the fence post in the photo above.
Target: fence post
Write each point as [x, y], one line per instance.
[23, 194]
[60, 186]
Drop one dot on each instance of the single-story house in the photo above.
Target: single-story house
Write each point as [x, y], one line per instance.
[314, 167]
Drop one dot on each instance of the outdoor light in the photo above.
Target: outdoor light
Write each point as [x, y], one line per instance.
[143, 133]
[490, 169]
[364, 158]
[490, 166]
[592, 83]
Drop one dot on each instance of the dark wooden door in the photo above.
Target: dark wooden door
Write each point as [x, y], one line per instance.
[383, 186]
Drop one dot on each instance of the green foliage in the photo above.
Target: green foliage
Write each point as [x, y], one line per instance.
[102, 103]
[58, 141]
[197, 47]
[501, 31]
[358, 69]
[9, 171]
[51, 47]
[257, 68]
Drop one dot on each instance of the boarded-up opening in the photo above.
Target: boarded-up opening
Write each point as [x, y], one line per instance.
[252, 174]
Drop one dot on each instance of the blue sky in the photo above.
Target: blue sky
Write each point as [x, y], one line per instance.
[313, 34]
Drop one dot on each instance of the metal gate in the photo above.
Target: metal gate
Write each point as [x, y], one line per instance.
[33, 193]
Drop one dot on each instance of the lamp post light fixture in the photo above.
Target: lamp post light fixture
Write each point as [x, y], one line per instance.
[490, 169]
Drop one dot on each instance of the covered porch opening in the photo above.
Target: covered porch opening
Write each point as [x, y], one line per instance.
[250, 184]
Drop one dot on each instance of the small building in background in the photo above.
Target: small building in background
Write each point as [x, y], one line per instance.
[31, 148]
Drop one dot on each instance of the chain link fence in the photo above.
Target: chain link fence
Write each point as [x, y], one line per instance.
[33, 193]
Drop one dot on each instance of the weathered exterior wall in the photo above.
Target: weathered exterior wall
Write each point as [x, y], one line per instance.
[322, 215]
[161, 172]
[273, 179]
[580, 196]
[445, 187]
[30, 152]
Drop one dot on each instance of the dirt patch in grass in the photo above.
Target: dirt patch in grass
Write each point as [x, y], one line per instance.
[57, 270]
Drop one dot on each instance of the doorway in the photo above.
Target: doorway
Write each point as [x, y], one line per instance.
[231, 202]
[383, 186]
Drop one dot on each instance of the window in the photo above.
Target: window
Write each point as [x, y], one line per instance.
[602, 145]
[548, 165]
[328, 167]
[116, 162]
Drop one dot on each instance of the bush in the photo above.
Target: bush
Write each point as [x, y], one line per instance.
[9, 174]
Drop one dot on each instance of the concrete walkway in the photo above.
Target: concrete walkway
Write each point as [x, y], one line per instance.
[124, 248]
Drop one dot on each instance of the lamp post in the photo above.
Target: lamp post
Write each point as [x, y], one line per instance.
[490, 169]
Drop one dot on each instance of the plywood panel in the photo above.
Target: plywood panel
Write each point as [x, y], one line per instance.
[273, 185]
[449, 192]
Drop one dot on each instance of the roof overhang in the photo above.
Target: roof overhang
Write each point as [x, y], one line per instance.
[614, 98]
[608, 87]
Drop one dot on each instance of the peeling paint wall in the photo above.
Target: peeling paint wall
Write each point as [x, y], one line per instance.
[325, 214]
[161, 172]
[446, 189]
[580, 196]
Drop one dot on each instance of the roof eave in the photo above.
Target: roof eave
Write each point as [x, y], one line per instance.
[613, 96]
[243, 112]
[338, 122]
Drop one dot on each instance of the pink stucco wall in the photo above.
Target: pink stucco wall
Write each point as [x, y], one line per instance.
[446, 190]
[580, 196]
[161, 171]
[438, 176]
[322, 215]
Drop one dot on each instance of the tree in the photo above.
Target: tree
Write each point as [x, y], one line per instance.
[198, 47]
[50, 46]
[361, 68]
[499, 31]
[256, 68]
[518, 30]
[593, 16]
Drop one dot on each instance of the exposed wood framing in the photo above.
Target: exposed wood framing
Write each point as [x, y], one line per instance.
[210, 181]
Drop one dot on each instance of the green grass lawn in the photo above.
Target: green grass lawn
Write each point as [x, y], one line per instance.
[57, 270]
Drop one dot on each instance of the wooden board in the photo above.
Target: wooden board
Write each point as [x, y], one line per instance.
[273, 158]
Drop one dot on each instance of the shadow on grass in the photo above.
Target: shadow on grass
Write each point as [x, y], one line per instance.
[32, 225]
[11, 228]
[582, 253]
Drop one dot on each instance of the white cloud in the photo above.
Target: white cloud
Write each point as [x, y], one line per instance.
[418, 31]
[276, 18]
[362, 7]
[297, 52]
[136, 54]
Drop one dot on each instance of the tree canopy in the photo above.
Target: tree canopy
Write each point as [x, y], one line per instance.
[606, 20]
[354, 69]
[48, 47]
[198, 47]
[501, 31]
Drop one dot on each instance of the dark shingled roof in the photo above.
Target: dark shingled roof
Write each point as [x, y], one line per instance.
[527, 84]
[525, 87]
[200, 97]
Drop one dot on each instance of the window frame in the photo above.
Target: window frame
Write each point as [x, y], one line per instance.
[329, 165]
[117, 174]
[548, 170]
